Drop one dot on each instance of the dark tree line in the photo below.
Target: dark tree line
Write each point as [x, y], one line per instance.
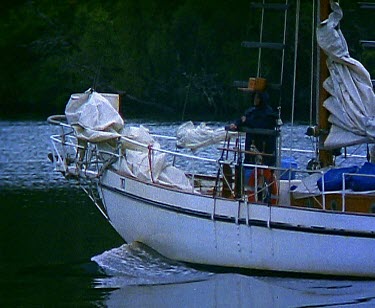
[171, 59]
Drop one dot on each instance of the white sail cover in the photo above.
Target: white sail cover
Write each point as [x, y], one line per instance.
[93, 116]
[194, 137]
[352, 100]
[146, 165]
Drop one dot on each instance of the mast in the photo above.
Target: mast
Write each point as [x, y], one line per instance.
[325, 156]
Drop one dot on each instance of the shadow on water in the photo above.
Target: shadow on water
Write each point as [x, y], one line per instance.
[47, 237]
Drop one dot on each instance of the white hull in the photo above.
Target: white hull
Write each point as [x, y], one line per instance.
[195, 228]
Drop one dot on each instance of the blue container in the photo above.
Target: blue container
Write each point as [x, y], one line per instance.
[247, 173]
[288, 163]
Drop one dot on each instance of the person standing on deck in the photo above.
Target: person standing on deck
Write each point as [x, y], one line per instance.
[260, 115]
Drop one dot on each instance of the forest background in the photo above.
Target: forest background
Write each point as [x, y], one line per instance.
[175, 60]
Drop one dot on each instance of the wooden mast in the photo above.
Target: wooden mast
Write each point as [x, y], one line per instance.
[325, 156]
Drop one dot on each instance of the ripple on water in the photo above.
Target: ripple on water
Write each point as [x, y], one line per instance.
[136, 264]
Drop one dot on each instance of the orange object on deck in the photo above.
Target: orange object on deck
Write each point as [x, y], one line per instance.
[267, 188]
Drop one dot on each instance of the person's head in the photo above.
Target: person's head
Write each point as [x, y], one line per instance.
[257, 99]
[260, 98]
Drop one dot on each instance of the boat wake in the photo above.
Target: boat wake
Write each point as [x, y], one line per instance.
[136, 264]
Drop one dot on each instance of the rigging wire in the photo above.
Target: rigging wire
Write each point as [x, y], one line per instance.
[281, 81]
[315, 52]
[313, 25]
[283, 51]
[295, 68]
[96, 77]
[260, 41]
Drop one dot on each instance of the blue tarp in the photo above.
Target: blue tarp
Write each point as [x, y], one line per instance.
[333, 178]
[363, 183]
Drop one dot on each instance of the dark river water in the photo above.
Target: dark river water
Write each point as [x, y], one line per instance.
[57, 250]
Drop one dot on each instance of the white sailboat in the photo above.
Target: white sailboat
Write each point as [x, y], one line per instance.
[160, 197]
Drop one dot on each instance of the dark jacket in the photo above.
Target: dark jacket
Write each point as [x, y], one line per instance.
[264, 117]
[258, 117]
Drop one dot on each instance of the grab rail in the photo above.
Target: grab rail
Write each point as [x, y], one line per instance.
[68, 140]
[344, 188]
[57, 120]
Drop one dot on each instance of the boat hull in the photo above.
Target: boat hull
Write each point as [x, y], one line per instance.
[198, 229]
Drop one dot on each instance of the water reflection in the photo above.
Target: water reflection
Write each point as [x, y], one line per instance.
[140, 275]
[235, 290]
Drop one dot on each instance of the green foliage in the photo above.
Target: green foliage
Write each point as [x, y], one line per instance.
[177, 58]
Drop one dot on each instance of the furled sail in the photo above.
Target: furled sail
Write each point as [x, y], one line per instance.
[352, 100]
[94, 116]
[194, 137]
